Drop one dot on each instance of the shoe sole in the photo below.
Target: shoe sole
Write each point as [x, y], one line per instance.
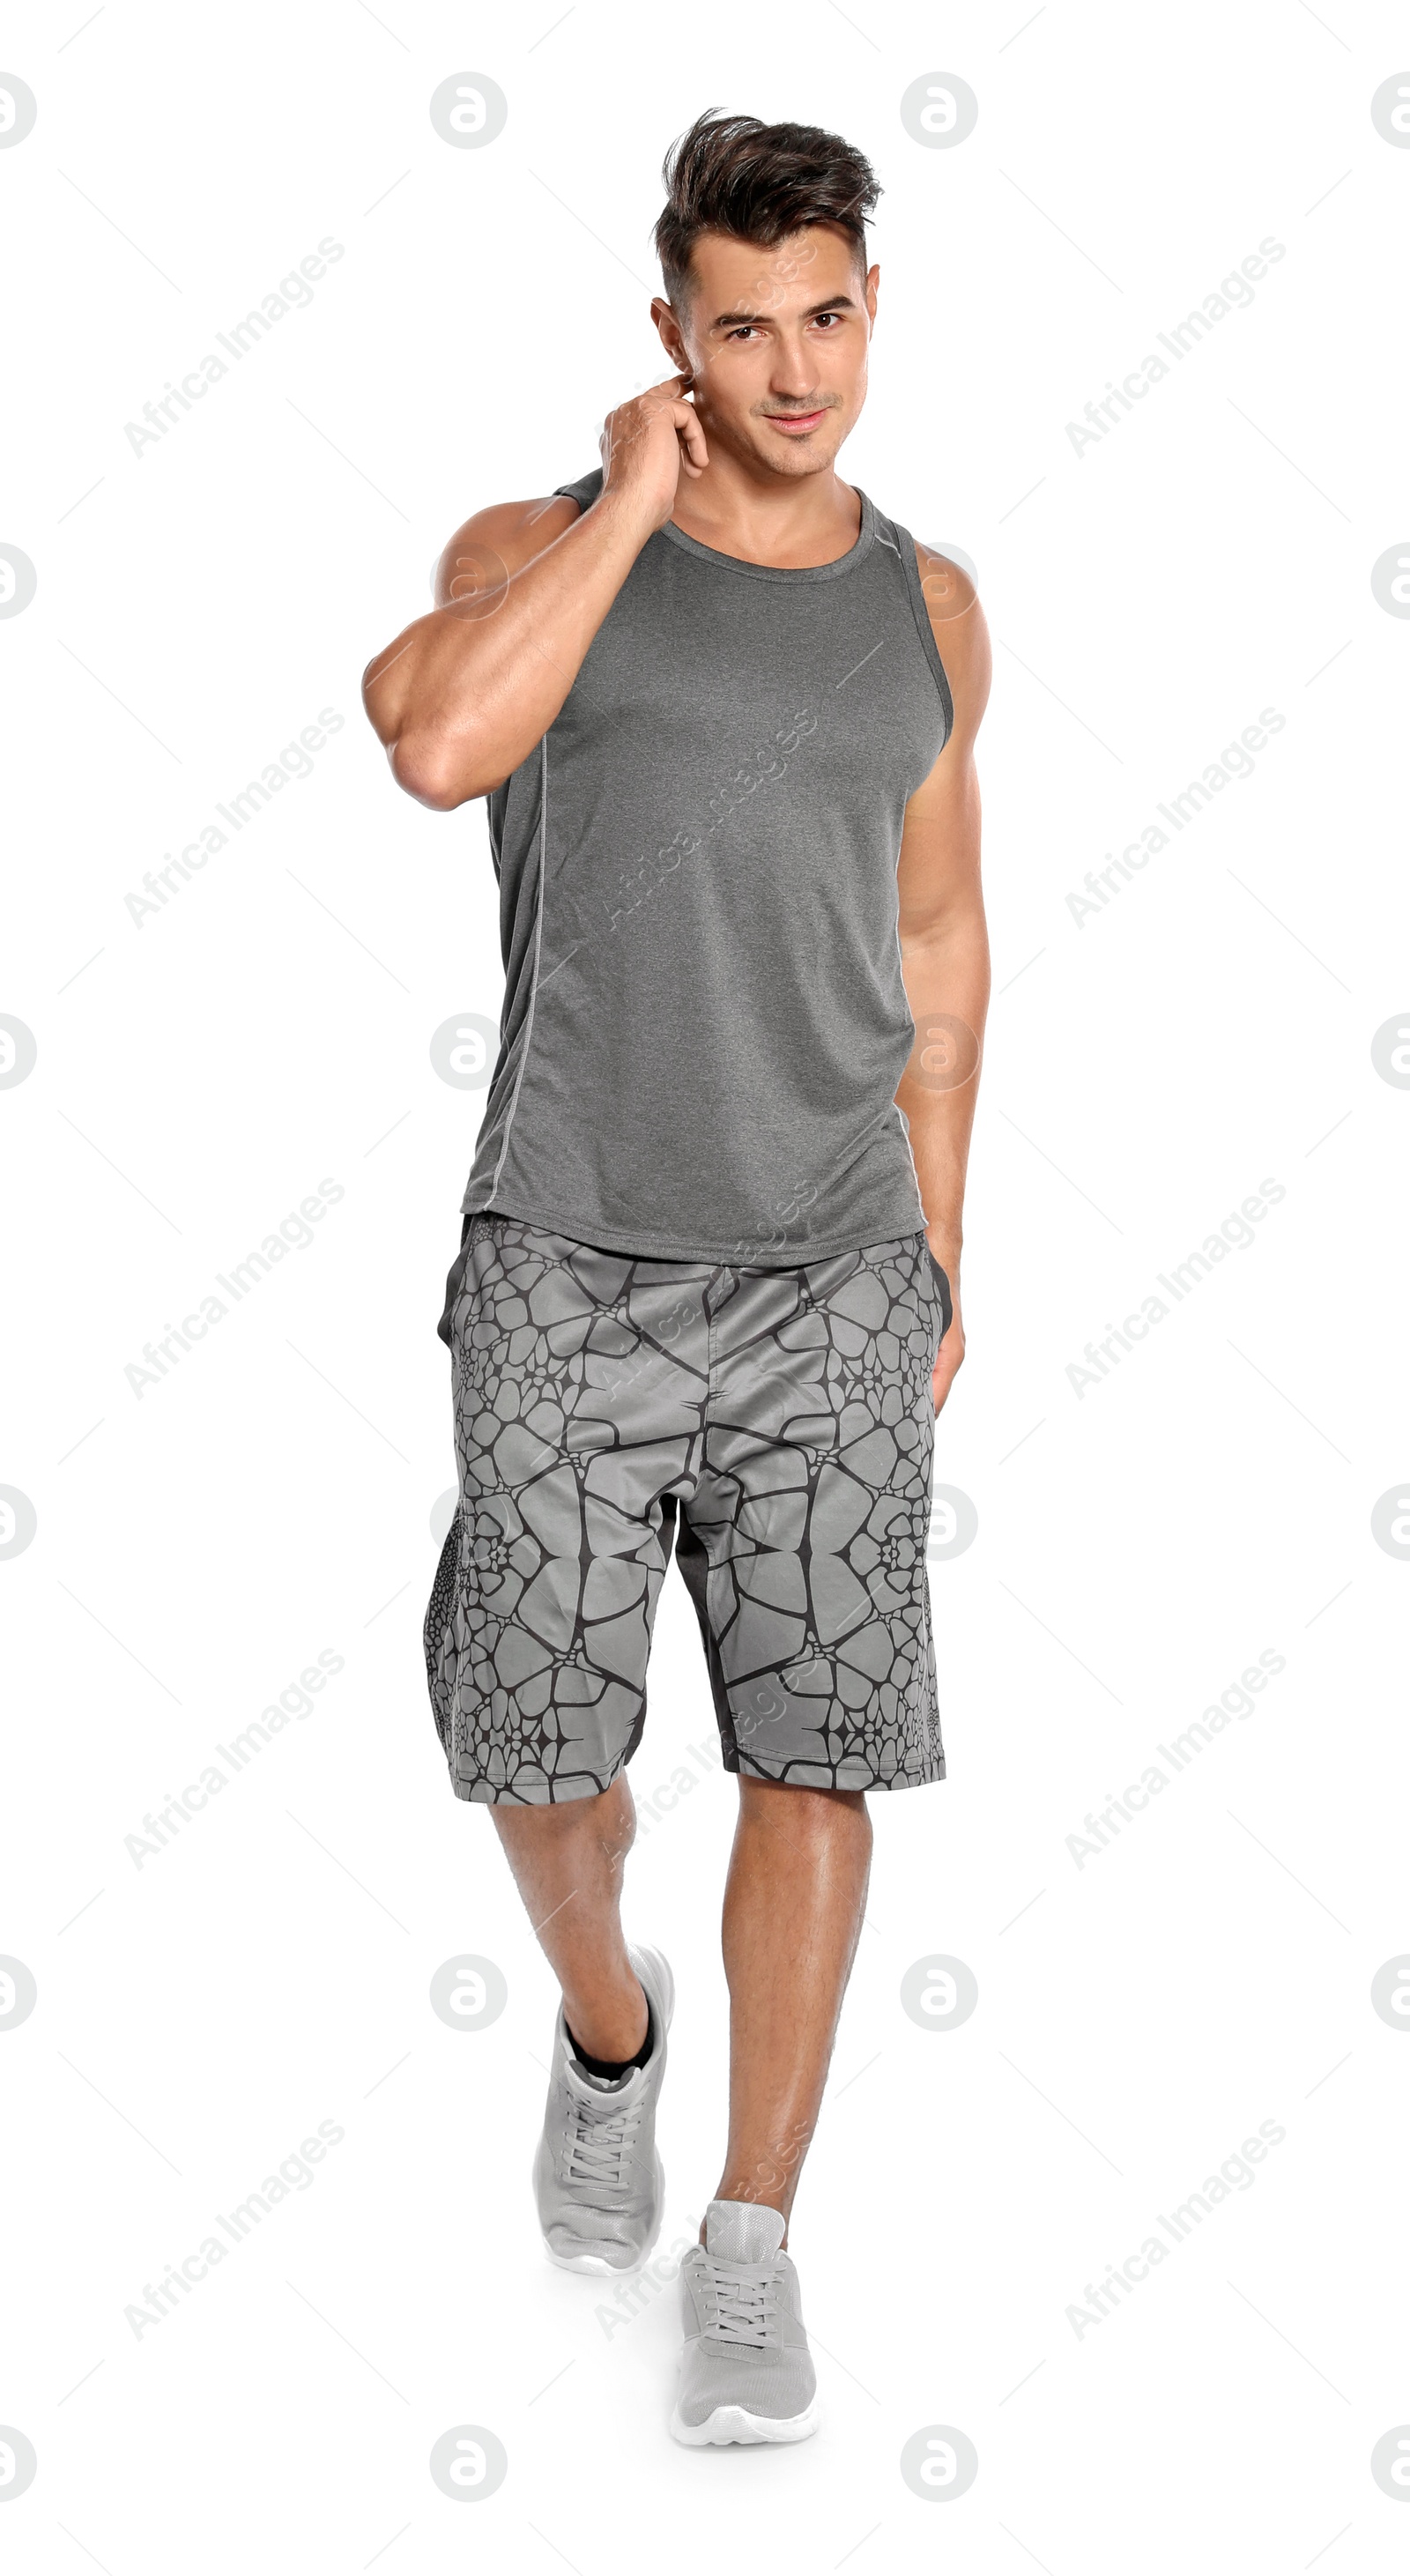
[736, 2424]
[598, 2263]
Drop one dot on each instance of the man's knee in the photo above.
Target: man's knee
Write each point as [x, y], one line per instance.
[607, 1817]
[616, 1818]
[802, 1813]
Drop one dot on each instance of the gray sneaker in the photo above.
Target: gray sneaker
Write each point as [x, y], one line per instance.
[747, 2375]
[597, 2175]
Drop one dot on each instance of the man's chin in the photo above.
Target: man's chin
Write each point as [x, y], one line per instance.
[812, 452]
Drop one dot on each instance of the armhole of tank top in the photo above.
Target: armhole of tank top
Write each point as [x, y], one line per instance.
[574, 491]
[534, 976]
[906, 549]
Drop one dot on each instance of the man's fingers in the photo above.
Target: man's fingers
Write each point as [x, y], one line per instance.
[947, 1363]
[692, 436]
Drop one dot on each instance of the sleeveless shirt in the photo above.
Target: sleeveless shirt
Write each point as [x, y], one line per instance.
[704, 1017]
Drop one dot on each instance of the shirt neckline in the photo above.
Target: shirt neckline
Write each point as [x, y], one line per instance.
[866, 538]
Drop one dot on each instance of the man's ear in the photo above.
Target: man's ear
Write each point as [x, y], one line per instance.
[663, 315]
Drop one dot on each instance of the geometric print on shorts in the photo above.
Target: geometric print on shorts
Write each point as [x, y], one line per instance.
[776, 1425]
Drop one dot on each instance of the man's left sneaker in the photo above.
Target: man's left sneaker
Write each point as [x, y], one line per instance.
[747, 2374]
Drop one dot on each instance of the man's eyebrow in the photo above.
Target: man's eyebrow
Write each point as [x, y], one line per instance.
[825, 304]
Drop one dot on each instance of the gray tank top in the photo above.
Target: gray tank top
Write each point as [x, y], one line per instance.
[704, 1018]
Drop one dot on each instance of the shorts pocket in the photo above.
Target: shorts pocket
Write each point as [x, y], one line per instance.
[942, 1291]
[455, 1280]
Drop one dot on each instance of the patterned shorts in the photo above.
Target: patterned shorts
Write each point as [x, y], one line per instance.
[774, 1425]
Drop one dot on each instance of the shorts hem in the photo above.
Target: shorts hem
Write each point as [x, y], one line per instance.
[792, 1775]
[482, 1792]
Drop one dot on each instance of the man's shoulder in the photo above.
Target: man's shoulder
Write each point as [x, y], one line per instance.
[958, 625]
[947, 585]
[498, 541]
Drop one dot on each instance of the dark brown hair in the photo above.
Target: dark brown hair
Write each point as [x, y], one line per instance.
[733, 174]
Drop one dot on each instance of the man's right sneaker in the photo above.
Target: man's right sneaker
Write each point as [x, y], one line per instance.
[597, 2176]
[747, 2374]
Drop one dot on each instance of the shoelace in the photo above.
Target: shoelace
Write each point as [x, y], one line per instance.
[601, 2140]
[744, 2300]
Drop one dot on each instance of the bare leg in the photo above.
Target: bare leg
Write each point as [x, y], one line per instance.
[567, 1862]
[794, 1898]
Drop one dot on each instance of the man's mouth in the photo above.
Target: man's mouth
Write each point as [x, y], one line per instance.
[796, 423]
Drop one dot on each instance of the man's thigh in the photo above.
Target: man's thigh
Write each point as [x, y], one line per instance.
[804, 1539]
[579, 1391]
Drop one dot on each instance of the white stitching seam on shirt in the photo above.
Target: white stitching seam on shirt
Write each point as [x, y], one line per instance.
[534, 980]
[900, 1114]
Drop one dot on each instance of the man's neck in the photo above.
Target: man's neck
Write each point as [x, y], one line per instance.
[789, 521]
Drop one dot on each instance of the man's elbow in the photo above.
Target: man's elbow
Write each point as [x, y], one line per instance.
[439, 768]
[435, 772]
[956, 923]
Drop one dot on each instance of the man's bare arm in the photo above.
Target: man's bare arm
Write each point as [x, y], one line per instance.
[944, 941]
[462, 694]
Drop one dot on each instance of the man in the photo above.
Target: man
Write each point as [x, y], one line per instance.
[723, 712]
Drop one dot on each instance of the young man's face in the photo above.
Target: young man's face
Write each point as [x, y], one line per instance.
[776, 341]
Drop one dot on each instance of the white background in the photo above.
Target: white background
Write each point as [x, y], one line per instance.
[271, 1496]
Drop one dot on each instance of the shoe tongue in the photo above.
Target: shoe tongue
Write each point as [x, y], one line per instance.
[596, 2084]
[743, 2231]
[604, 2083]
